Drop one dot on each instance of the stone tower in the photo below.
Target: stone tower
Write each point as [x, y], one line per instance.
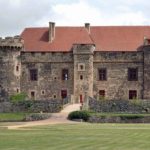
[10, 65]
[83, 71]
[146, 71]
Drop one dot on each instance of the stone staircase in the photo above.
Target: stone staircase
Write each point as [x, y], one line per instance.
[70, 108]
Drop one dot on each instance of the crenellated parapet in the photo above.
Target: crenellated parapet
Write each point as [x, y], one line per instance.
[11, 43]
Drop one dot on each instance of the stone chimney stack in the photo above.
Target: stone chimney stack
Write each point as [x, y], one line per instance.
[87, 26]
[51, 31]
[146, 41]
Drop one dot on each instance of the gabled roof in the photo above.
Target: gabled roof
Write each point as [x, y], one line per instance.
[36, 39]
[106, 38]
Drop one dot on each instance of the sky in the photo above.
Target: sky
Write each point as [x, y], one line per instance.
[15, 15]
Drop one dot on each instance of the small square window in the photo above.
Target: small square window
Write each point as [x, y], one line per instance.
[54, 96]
[132, 94]
[43, 92]
[33, 95]
[102, 94]
[81, 67]
[81, 77]
[17, 90]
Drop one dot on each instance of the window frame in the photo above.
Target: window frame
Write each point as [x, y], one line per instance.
[65, 72]
[132, 74]
[102, 74]
[66, 93]
[33, 74]
[102, 93]
[132, 93]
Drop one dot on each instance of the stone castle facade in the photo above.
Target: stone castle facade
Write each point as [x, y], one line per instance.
[48, 64]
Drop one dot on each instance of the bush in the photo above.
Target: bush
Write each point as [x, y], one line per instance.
[136, 116]
[37, 116]
[18, 97]
[79, 115]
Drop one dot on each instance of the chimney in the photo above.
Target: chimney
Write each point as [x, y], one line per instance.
[87, 26]
[51, 31]
[146, 41]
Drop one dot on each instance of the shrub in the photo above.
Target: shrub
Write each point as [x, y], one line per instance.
[79, 115]
[136, 116]
[18, 97]
[136, 102]
[37, 116]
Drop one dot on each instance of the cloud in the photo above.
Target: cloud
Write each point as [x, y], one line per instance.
[76, 13]
[18, 14]
[83, 11]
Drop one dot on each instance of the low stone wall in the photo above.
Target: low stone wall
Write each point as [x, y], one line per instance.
[118, 119]
[129, 106]
[50, 106]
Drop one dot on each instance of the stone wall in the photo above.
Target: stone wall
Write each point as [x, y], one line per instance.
[146, 79]
[83, 66]
[16, 63]
[10, 65]
[117, 85]
[49, 68]
[51, 106]
[132, 106]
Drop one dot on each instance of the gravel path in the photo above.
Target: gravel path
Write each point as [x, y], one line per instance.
[56, 118]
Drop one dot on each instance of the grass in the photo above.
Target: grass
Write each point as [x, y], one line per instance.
[78, 137]
[12, 116]
[118, 114]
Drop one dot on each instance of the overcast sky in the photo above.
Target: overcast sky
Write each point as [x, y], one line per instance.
[15, 15]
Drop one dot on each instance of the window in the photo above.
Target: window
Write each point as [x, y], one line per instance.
[102, 74]
[65, 74]
[102, 94]
[81, 67]
[81, 77]
[63, 94]
[132, 94]
[33, 74]
[17, 68]
[33, 95]
[43, 92]
[17, 90]
[132, 74]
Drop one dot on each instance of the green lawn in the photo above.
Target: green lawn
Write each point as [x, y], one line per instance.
[12, 116]
[78, 137]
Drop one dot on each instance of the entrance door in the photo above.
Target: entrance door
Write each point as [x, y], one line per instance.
[81, 99]
[63, 94]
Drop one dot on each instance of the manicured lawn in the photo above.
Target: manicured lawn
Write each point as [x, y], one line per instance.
[78, 137]
[12, 116]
